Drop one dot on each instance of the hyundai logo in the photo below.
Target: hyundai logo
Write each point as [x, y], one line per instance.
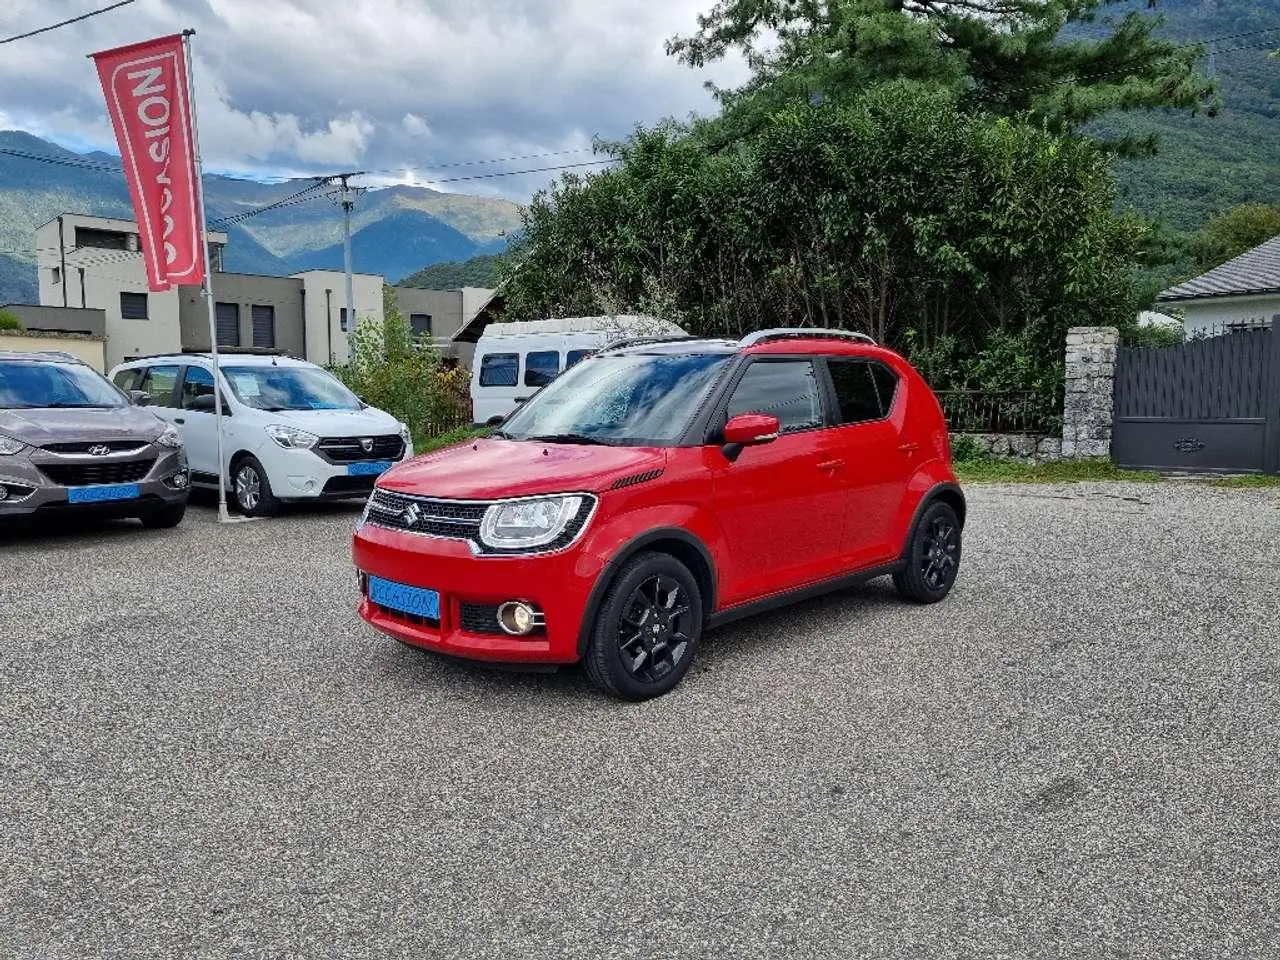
[366, 444]
[411, 515]
[99, 450]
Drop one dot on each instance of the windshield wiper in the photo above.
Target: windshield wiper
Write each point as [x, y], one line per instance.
[568, 438]
[70, 406]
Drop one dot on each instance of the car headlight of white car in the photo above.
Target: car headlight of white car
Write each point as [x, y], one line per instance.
[532, 523]
[291, 438]
[406, 436]
[10, 446]
[170, 438]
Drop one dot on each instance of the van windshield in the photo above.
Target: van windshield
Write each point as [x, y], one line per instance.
[289, 388]
[629, 400]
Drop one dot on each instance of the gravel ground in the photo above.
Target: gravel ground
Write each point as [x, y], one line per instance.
[204, 754]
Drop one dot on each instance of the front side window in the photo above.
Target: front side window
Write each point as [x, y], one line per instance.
[786, 389]
[29, 385]
[276, 388]
[499, 370]
[158, 384]
[133, 306]
[197, 382]
[631, 400]
[574, 357]
[126, 380]
[541, 367]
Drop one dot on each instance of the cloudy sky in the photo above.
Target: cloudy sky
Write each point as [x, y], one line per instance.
[309, 86]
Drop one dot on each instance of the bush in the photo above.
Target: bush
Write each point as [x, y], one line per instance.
[965, 449]
[9, 322]
[404, 376]
[1136, 336]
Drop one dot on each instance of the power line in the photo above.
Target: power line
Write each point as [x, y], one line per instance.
[284, 202]
[63, 23]
[473, 163]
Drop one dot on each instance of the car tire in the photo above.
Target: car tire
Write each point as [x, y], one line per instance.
[932, 556]
[652, 592]
[164, 517]
[251, 489]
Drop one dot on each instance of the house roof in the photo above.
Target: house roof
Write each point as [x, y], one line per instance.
[1254, 272]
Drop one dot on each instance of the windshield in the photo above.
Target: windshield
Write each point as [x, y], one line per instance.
[289, 388]
[633, 400]
[29, 384]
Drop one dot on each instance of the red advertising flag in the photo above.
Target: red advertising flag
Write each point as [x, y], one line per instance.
[149, 102]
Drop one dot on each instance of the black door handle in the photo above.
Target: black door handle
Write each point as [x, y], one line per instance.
[178, 420]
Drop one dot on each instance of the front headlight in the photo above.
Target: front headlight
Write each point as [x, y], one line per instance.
[10, 446]
[525, 524]
[170, 438]
[291, 438]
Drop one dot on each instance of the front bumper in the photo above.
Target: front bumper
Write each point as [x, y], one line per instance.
[31, 492]
[304, 475]
[558, 584]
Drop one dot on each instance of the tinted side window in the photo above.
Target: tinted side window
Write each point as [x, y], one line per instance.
[541, 368]
[158, 384]
[886, 386]
[787, 389]
[499, 370]
[864, 389]
[126, 380]
[576, 356]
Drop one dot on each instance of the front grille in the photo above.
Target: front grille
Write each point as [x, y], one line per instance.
[351, 449]
[348, 486]
[436, 518]
[410, 618]
[112, 446]
[481, 619]
[87, 474]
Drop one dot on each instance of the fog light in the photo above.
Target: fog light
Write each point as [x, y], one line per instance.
[518, 618]
[4, 492]
[179, 481]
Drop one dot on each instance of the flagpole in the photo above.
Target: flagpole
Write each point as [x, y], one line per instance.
[223, 515]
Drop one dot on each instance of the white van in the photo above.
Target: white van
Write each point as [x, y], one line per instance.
[514, 360]
[291, 430]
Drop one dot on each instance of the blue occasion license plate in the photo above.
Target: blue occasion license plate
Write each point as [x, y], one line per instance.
[411, 600]
[371, 469]
[101, 494]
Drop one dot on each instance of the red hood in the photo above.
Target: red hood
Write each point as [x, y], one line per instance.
[489, 469]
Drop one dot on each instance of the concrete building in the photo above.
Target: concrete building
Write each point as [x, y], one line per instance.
[441, 314]
[1241, 294]
[70, 320]
[92, 265]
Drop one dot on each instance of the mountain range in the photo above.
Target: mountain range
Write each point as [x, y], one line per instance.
[395, 230]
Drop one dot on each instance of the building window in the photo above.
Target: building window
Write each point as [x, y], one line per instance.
[57, 274]
[420, 323]
[227, 320]
[133, 306]
[342, 319]
[101, 239]
[264, 326]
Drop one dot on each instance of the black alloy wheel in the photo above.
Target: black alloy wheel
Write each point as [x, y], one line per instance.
[933, 556]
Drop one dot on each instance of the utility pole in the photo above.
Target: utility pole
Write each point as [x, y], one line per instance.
[346, 197]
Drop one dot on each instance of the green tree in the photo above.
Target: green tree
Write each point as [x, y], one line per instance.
[1235, 231]
[1045, 60]
[9, 322]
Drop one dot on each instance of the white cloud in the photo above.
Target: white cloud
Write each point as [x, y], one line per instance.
[285, 86]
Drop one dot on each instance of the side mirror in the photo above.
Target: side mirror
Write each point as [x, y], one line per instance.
[751, 429]
[203, 403]
[139, 399]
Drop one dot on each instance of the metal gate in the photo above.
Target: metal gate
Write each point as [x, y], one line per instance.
[1207, 404]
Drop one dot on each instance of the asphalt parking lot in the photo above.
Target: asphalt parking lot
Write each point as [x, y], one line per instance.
[204, 753]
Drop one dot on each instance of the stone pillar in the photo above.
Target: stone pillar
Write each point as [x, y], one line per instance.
[1087, 409]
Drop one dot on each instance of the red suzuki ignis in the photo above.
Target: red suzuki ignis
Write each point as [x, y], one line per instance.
[661, 488]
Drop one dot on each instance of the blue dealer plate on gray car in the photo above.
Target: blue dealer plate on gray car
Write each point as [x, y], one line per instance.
[104, 493]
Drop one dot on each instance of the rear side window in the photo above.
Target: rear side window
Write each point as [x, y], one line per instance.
[158, 384]
[576, 356]
[786, 389]
[541, 367]
[864, 389]
[499, 370]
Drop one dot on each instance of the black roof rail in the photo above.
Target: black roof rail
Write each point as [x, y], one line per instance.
[806, 333]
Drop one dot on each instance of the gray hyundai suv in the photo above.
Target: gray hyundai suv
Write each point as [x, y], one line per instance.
[70, 441]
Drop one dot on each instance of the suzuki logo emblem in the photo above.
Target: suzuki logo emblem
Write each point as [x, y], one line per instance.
[99, 450]
[411, 515]
[366, 444]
